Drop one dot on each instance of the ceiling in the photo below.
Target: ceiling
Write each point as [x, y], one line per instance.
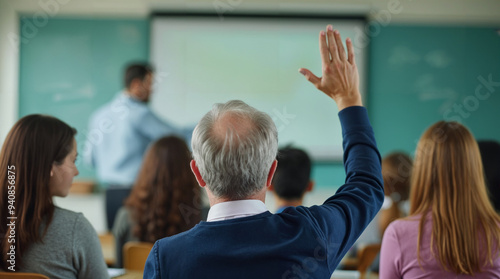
[478, 12]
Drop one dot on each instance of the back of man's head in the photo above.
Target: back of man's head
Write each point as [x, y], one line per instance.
[234, 146]
[136, 71]
[293, 174]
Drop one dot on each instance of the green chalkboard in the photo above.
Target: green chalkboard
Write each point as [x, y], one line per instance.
[69, 67]
[422, 74]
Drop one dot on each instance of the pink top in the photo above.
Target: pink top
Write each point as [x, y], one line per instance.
[398, 256]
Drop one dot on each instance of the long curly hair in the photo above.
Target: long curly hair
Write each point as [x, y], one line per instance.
[165, 199]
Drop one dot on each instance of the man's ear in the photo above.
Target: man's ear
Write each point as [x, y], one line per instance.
[310, 186]
[271, 173]
[197, 174]
[135, 87]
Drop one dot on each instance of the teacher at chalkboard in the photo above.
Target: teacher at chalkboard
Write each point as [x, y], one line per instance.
[119, 134]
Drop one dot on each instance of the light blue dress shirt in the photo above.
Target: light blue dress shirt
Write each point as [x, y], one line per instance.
[118, 136]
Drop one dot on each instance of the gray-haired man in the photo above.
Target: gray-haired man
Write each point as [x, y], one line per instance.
[234, 148]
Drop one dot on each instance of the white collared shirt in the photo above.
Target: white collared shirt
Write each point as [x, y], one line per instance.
[235, 209]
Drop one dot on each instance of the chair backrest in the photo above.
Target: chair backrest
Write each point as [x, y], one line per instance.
[366, 255]
[135, 255]
[21, 275]
[108, 248]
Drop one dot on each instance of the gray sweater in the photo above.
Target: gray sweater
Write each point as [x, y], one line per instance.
[70, 249]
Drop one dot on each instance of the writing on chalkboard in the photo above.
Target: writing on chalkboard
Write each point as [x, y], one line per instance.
[402, 55]
[428, 89]
[426, 85]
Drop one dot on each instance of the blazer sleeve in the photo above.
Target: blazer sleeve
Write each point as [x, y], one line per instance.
[152, 267]
[343, 217]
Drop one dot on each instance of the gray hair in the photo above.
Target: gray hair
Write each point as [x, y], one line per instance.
[234, 146]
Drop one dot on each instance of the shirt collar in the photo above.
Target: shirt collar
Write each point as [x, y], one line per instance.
[235, 209]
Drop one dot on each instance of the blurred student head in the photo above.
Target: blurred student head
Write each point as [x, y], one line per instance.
[292, 178]
[139, 81]
[448, 187]
[490, 155]
[37, 162]
[165, 197]
[396, 171]
[234, 151]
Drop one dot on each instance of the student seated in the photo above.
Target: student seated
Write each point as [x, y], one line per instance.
[292, 178]
[234, 160]
[165, 199]
[453, 230]
[37, 162]
[396, 171]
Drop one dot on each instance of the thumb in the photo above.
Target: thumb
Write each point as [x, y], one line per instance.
[310, 76]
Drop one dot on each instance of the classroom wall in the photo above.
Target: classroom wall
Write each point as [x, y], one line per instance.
[417, 75]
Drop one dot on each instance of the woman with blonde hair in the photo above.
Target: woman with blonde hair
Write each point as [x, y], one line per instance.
[453, 230]
[165, 199]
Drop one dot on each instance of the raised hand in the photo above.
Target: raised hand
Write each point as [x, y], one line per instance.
[340, 80]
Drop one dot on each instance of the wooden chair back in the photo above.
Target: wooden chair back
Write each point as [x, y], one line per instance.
[22, 275]
[366, 255]
[135, 255]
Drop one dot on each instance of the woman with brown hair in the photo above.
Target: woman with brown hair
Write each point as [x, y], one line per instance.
[453, 230]
[165, 199]
[37, 162]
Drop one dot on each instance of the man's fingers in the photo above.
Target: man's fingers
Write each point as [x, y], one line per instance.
[310, 77]
[350, 51]
[323, 49]
[340, 47]
[332, 46]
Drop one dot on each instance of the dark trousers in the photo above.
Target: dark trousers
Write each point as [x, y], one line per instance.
[115, 197]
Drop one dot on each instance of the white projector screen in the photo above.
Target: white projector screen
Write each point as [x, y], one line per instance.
[200, 61]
